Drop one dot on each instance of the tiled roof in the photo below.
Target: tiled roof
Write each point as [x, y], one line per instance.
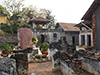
[39, 20]
[69, 26]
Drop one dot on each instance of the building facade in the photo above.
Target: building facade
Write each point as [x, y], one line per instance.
[92, 26]
[44, 34]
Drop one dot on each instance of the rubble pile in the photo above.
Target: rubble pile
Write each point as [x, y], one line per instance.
[74, 62]
[7, 66]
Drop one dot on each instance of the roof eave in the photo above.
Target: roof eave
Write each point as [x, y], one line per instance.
[93, 7]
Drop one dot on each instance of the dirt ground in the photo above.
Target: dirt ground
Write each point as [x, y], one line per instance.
[43, 68]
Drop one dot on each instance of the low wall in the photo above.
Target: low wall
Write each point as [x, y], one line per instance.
[68, 66]
[51, 52]
[8, 38]
[90, 65]
[55, 65]
[66, 70]
[21, 57]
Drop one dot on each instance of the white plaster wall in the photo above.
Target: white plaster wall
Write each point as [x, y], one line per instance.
[51, 52]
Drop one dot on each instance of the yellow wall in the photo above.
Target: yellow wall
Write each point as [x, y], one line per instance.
[3, 19]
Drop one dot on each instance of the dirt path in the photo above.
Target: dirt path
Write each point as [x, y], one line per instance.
[43, 68]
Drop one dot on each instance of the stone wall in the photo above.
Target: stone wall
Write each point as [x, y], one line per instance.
[8, 38]
[90, 65]
[8, 66]
[69, 65]
[21, 57]
[66, 70]
[50, 38]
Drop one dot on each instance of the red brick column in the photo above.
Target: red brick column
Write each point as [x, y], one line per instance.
[94, 30]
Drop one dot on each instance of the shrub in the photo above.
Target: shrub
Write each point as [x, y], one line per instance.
[44, 55]
[44, 47]
[37, 56]
[5, 47]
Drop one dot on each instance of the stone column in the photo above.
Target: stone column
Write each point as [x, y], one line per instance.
[91, 39]
[85, 40]
[80, 40]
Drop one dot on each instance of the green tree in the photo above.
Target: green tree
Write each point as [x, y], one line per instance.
[4, 11]
[14, 7]
[21, 15]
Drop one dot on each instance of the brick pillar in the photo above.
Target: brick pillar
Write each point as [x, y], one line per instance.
[94, 30]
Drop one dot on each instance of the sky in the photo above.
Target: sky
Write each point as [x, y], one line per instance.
[67, 11]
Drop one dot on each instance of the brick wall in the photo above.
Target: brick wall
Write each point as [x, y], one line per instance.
[94, 31]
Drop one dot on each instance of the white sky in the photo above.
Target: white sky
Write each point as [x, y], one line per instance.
[68, 11]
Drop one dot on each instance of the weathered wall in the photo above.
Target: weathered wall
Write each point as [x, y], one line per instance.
[50, 38]
[8, 38]
[69, 36]
[97, 22]
[66, 70]
[21, 57]
[91, 66]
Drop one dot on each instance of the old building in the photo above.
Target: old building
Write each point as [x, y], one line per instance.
[4, 19]
[90, 36]
[68, 30]
[44, 34]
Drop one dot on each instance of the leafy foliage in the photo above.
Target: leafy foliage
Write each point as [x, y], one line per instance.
[21, 15]
[7, 29]
[6, 48]
[44, 47]
[4, 11]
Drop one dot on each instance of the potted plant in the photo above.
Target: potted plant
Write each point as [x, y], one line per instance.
[44, 48]
[37, 57]
[6, 48]
[34, 41]
[44, 57]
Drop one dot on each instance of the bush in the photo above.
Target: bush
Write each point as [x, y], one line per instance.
[37, 56]
[5, 47]
[44, 47]
[44, 55]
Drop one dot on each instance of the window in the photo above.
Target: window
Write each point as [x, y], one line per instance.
[55, 35]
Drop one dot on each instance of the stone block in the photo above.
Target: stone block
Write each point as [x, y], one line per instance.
[25, 35]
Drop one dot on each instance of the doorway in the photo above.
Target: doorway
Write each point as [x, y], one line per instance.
[83, 40]
[73, 39]
[42, 38]
[89, 40]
